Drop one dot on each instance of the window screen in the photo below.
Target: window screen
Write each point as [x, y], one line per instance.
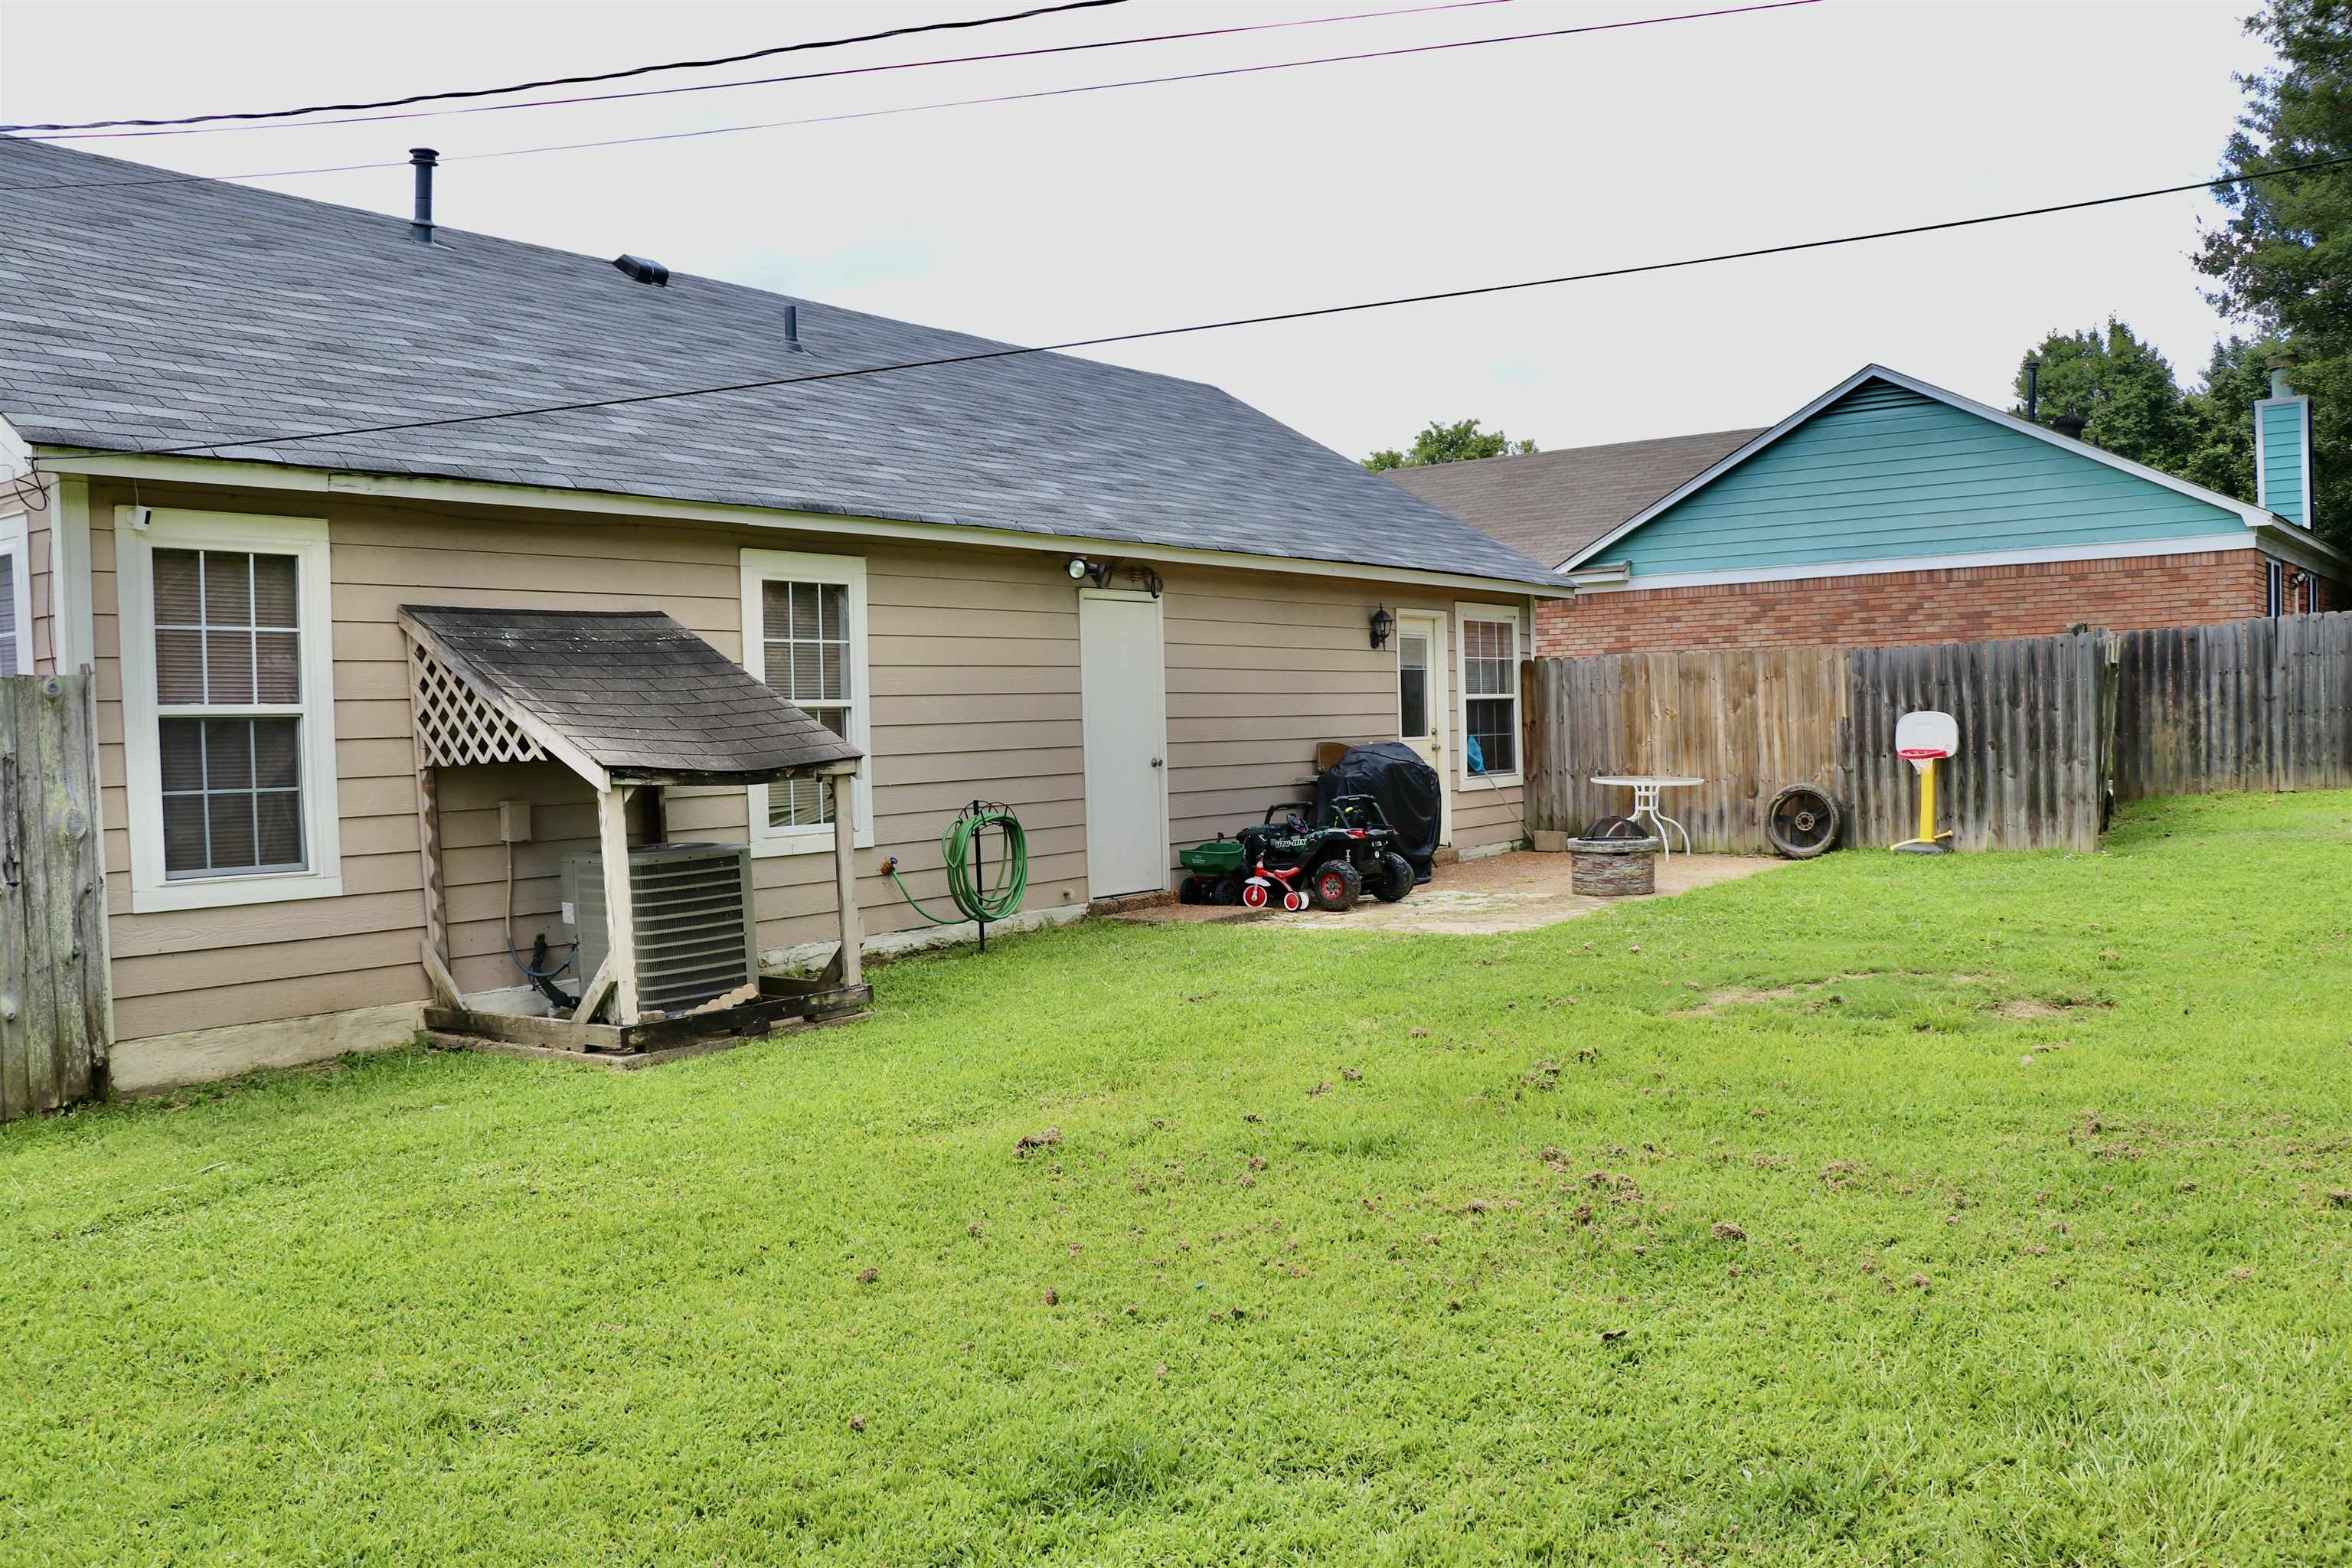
[1490, 689]
[232, 796]
[9, 630]
[806, 628]
[228, 649]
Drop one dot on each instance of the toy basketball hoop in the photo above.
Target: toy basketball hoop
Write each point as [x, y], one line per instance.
[1923, 739]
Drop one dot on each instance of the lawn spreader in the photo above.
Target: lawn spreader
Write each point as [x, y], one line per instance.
[1293, 864]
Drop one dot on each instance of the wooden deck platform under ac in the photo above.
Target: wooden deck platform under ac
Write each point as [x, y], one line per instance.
[783, 1006]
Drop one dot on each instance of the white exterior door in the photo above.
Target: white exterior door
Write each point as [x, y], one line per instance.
[1123, 691]
[1424, 700]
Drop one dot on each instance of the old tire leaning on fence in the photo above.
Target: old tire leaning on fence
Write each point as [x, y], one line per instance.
[1802, 822]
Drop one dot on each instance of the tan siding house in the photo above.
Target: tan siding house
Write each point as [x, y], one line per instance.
[965, 675]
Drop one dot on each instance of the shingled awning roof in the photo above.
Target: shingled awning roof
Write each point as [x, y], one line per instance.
[630, 693]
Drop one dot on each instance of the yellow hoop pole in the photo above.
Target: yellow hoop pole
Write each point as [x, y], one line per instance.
[1929, 841]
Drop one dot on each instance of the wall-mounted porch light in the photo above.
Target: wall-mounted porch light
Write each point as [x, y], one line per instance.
[1383, 623]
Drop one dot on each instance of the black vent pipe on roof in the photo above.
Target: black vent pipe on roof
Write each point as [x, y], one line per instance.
[2034, 392]
[420, 227]
[642, 270]
[792, 331]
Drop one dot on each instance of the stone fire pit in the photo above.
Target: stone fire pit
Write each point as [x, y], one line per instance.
[1613, 867]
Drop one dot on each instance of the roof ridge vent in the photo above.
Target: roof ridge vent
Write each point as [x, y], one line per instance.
[642, 270]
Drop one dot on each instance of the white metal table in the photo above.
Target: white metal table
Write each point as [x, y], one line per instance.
[1646, 788]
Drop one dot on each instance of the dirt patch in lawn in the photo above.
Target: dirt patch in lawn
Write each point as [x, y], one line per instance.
[2033, 1009]
[1820, 993]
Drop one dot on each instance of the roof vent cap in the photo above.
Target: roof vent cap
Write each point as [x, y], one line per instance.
[639, 269]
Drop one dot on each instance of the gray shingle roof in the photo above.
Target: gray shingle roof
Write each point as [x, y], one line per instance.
[164, 314]
[1549, 505]
[637, 692]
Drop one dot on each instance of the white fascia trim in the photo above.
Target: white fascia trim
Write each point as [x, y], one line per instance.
[72, 636]
[2293, 542]
[2253, 516]
[1463, 614]
[474, 492]
[1891, 564]
[1612, 574]
[761, 567]
[305, 538]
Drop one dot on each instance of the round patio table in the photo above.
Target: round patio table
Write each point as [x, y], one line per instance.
[1646, 788]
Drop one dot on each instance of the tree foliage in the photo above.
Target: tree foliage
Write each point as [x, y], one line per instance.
[1440, 443]
[2122, 389]
[2132, 405]
[2282, 262]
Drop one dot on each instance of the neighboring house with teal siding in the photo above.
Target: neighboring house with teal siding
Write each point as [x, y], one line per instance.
[1890, 510]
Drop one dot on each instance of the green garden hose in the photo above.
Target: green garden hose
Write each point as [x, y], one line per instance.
[1011, 882]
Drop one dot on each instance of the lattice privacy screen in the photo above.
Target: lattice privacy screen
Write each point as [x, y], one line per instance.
[454, 725]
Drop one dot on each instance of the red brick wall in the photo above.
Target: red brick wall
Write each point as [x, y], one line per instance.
[1958, 605]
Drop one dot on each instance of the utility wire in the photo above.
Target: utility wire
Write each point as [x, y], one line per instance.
[596, 77]
[1013, 352]
[951, 104]
[797, 76]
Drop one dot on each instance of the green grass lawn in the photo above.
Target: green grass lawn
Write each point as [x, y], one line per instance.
[1875, 1210]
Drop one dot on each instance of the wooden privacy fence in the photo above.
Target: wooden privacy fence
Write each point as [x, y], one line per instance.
[2250, 705]
[54, 1030]
[2034, 716]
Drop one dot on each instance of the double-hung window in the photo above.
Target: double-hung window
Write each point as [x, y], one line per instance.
[804, 635]
[228, 724]
[16, 599]
[1490, 693]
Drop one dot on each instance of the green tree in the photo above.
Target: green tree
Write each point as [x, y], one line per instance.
[2119, 386]
[2282, 262]
[2221, 450]
[1449, 444]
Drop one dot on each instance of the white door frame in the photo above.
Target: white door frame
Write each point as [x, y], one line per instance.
[1160, 616]
[1439, 697]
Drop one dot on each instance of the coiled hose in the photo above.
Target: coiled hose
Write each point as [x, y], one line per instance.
[1010, 883]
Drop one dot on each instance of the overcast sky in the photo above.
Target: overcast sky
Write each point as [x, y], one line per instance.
[1068, 217]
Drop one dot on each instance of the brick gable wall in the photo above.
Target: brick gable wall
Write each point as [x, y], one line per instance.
[1956, 604]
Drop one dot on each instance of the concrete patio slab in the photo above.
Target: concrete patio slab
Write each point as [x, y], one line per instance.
[1500, 894]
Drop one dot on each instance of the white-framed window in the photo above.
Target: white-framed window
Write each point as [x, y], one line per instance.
[16, 599]
[804, 634]
[228, 716]
[1488, 679]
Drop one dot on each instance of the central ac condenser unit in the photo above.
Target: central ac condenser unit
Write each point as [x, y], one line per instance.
[690, 906]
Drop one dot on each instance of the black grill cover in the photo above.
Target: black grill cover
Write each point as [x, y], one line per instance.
[1406, 787]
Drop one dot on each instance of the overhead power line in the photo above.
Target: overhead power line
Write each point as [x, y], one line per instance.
[797, 76]
[1397, 53]
[1014, 351]
[594, 77]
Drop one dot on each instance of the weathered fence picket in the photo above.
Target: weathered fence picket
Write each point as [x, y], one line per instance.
[54, 1030]
[2048, 727]
[2249, 705]
[2032, 719]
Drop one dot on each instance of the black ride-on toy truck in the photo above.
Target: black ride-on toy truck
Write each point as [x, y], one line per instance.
[1293, 864]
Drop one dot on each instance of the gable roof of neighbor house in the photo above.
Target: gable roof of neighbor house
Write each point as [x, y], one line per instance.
[1550, 505]
[636, 692]
[141, 313]
[1893, 382]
